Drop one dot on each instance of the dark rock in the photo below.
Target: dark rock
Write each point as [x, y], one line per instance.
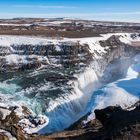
[104, 115]
[118, 124]
[10, 124]
[113, 42]
[3, 137]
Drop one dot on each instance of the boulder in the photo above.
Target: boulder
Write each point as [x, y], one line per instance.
[3, 113]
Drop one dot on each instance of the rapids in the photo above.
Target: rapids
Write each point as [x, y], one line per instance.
[65, 94]
[62, 105]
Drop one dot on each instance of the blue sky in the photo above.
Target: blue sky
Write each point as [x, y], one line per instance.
[113, 10]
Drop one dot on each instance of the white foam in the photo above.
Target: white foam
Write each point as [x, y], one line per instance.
[71, 105]
[83, 86]
[31, 128]
[124, 92]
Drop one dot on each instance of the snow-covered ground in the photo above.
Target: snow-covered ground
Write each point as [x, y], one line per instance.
[93, 42]
[8, 40]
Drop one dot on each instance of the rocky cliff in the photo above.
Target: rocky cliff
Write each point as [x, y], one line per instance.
[73, 67]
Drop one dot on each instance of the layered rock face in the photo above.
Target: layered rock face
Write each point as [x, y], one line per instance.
[28, 56]
[22, 53]
[73, 67]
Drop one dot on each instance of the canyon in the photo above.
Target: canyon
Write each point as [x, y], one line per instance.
[61, 84]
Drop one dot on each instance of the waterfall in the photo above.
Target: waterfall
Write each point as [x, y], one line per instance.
[68, 109]
[81, 95]
[123, 92]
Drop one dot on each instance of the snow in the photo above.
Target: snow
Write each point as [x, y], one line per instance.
[30, 124]
[53, 23]
[94, 45]
[12, 58]
[58, 48]
[4, 113]
[125, 37]
[71, 105]
[7, 40]
[92, 42]
[39, 122]
[16, 25]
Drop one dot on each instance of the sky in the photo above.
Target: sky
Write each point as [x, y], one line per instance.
[108, 10]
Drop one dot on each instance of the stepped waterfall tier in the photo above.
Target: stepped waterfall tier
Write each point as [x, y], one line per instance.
[48, 84]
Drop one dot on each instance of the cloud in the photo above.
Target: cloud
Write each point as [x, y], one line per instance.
[118, 13]
[43, 6]
[73, 14]
[118, 16]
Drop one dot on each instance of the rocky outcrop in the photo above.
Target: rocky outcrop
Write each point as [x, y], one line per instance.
[12, 122]
[26, 57]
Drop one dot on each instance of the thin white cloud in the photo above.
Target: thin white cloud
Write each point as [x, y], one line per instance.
[43, 6]
[118, 16]
[118, 13]
[72, 14]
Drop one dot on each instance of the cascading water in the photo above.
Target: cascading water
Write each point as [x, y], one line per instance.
[65, 108]
[68, 109]
[123, 92]
[66, 94]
